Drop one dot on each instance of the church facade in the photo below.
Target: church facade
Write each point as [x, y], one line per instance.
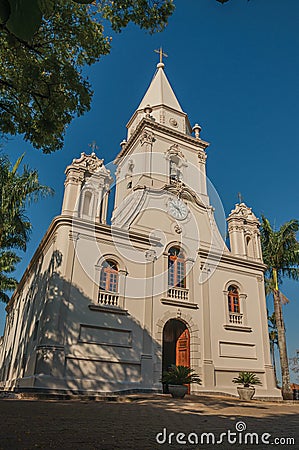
[105, 308]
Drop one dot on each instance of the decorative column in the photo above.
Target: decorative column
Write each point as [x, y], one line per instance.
[99, 206]
[105, 199]
[243, 298]
[189, 273]
[73, 185]
[202, 157]
[146, 140]
[122, 274]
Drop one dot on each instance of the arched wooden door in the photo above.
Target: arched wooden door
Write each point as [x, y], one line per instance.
[176, 345]
[183, 351]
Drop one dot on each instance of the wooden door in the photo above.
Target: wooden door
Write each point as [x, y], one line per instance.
[183, 351]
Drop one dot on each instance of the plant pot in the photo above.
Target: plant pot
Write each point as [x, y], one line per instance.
[177, 390]
[246, 393]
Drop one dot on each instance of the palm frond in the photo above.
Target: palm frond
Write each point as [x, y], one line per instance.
[284, 300]
[17, 190]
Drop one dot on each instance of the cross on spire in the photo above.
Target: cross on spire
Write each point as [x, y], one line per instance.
[161, 53]
[93, 146]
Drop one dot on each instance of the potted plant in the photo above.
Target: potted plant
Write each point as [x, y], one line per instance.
[178, 378]
[248, 380]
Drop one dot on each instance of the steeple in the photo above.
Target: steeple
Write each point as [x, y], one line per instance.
[161, 105]
[160, 92]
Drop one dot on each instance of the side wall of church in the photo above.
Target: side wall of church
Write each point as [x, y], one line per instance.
[26, 320]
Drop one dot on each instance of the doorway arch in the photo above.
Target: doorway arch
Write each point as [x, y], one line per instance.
[176, 345]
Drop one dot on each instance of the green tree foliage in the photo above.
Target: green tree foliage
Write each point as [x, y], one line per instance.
[23, 17]
[281, 255]
[42, 87]
[17, 190]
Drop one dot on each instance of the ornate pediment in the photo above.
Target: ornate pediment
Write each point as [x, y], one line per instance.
[178, 188]
[174, 150]
[243, 212]
[90, 163]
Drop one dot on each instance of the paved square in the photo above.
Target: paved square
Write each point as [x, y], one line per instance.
[134, 423]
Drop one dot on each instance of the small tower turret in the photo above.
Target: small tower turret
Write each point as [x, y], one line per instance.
[86, 188]
[244, 234]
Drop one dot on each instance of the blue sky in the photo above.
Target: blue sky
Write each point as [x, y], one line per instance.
[235, 70]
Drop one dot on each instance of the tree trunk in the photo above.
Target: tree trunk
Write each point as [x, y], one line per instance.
[272, 351]
[284, 363]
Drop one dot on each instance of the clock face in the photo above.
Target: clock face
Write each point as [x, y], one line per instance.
[177, 209]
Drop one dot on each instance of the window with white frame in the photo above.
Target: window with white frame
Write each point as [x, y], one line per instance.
[235, 306]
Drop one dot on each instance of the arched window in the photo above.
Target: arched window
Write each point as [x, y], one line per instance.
[233, 300]
[176, 268]
[109, 276]
[249, 247]
[174, 172]
[86, 203]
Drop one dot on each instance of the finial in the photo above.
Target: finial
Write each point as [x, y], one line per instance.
[160, 52]
[197, 130]
[123, 143]
[93, 146]
[148, 109]
[240, 198]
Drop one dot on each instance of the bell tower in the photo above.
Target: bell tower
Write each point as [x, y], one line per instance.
[244, 234]
[161, 154]
[86, 188]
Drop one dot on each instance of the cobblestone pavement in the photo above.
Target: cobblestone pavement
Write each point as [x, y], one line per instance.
[135, 422]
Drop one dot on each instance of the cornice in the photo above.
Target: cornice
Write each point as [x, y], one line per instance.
[185, 192]
[78, 225]
[145, 122]
[232, 259]
[56, 222]
[108, 230]
[160, 106]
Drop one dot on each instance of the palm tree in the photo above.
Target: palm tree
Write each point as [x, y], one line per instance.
[17, 190]
[281, 255]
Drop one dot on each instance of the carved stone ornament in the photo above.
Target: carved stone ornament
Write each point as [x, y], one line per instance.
[90, 163]
[202, 157]
[73, 176]
[178, 229]
[150, 255]
[243, 213]
[175, 151]
[173, 122]
[147, 137]
[162, 117]
[131, 166]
